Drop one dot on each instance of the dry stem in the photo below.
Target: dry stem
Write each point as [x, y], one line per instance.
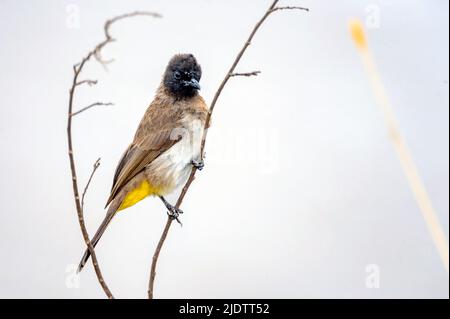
[77, 68]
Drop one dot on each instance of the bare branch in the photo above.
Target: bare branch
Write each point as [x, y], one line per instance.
[228, 75]
[254, 73]
[109, 38]
[77, 68]
[88, 82]
[164, 236]
[91, 106]
[289, 8]
[127, 15]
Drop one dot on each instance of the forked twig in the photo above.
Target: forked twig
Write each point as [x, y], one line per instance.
[109, 38]
[77, 68]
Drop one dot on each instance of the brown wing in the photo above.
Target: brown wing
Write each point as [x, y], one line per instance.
[155, 135]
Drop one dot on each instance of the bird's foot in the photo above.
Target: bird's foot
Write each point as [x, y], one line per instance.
[174, 213]
[198, 164]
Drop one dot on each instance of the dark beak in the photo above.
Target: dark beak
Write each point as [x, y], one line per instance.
[193, 83]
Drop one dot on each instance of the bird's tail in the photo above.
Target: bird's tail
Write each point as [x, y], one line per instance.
[109, 216]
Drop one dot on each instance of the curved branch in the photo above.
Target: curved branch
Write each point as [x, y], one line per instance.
[109, 38]
[77, 68]
[229, 74]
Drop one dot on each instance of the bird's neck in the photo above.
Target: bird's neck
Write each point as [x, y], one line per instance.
[164, 91]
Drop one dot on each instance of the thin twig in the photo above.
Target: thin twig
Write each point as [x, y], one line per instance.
[289, 8]
[254, 73]
[88, 82]
[90, 106]
[95, 166]
[228, 75]
[164, 236]
[76, 194]
[109, 38]
[77, 68]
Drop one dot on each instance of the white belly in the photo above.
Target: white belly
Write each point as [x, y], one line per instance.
[172, 168]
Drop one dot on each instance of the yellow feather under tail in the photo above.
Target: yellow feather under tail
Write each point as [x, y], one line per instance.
[138, 194]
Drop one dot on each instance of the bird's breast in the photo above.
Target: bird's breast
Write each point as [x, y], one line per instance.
[172, 168]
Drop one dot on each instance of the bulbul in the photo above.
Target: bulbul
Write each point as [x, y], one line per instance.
[166, 145]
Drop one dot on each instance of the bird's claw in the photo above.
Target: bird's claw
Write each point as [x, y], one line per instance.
[174, 213]
[198, 164]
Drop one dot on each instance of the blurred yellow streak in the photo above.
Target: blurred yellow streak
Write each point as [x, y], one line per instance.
[401, 148]
[357, 32]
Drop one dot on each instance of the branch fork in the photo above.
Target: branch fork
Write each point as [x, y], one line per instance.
[79, 204]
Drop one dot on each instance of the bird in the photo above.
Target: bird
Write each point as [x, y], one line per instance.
[166, 145]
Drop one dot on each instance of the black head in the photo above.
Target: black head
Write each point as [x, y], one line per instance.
[183, 75]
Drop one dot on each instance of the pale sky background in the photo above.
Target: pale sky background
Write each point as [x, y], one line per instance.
[302, 190]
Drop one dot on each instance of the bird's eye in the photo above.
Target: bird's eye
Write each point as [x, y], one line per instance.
[177, 75]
